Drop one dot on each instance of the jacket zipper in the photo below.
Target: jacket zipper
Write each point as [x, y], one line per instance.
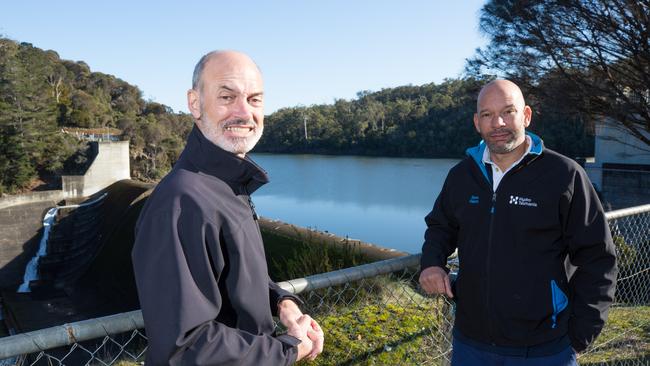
[489, 246]
[487, 266]
[252, 206]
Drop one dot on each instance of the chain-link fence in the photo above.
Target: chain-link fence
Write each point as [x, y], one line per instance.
[625, 339]
[372, 314]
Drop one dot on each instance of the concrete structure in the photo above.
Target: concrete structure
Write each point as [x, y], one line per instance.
[110, 165]
[621, 169]
[31, 197]
[21, 215]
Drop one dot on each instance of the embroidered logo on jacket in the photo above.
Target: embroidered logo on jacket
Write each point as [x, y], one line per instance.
[522, 201]
[473, 200]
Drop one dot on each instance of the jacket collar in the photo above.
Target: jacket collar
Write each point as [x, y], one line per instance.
[476, 152]
[203, 156]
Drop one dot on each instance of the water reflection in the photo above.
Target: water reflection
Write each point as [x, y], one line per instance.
[379, 200]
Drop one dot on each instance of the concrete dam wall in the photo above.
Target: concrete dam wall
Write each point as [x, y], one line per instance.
[88, 271]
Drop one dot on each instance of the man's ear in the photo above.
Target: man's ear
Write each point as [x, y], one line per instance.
[528, 116]
[194, 103]
[478, 129]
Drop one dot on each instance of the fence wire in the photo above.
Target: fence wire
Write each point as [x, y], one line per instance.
[625, 340]
[373, 314]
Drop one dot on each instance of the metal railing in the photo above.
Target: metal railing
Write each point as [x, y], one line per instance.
[372, 314]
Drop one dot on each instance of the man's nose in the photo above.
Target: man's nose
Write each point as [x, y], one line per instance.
[498, 121]
[242, 109]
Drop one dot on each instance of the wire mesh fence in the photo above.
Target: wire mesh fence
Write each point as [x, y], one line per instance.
[373, 314]
[380, 318]
[625, 340]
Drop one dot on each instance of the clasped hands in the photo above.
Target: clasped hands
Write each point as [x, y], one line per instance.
[303, 327]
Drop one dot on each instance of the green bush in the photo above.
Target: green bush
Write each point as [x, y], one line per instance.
[289, 258]
[632, 287]
[625, 253]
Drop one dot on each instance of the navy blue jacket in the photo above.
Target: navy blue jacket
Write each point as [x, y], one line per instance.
[200, 268]
[513, 289]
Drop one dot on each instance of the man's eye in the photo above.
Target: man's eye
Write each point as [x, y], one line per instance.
[485, 115]
[227, 97]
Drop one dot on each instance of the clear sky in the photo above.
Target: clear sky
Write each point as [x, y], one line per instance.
[310, 52]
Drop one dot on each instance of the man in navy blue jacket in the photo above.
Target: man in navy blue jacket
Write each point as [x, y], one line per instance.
[517, 212]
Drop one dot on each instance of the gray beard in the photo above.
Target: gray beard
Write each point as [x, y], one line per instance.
[508, 147]
[237, 145]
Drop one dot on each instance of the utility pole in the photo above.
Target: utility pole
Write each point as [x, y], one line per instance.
[304, 121]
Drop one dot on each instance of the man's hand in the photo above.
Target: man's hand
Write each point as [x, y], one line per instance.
[434, 280]
[317, 337]
[288, 312]
[299, 330]
[302, 327]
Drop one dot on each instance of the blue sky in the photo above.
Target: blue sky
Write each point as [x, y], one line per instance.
[310, 52]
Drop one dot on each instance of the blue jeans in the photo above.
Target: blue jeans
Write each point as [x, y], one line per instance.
[466, 355]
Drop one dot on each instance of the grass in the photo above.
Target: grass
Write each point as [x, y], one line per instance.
[405, 329]
[384, 321]
[303, 255]
[379, 335]
[397, 327]
[625, 339]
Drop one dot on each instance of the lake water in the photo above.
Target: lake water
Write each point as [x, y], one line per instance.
[377, 200]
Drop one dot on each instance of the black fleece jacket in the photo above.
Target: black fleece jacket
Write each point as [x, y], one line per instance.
[200, 267]
[512, 289]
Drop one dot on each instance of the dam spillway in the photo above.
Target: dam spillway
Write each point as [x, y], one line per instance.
[31, 271]
[87, 270]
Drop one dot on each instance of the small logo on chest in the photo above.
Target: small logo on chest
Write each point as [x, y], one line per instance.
[522, 201]
[473, 199]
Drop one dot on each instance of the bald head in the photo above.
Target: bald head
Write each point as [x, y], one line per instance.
[222, 59]
[501, 119]
[503, 89]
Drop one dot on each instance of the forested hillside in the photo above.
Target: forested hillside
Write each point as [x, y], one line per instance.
[424, 121]
[432, 121]
[41, 94]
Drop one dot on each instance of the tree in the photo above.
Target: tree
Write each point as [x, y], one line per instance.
[601, 47]
[16, 170]
[40, 93]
